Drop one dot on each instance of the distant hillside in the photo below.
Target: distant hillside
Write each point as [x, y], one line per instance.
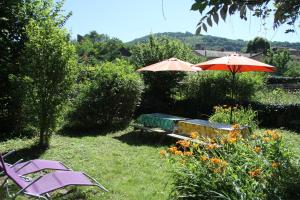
[212, 42]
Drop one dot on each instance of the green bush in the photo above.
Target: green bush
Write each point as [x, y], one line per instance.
[108, 98]
[242, 116]
[235, 168]
[213, 88]
[277, 96]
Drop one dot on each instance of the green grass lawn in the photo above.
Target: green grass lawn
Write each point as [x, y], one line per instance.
[127, 163]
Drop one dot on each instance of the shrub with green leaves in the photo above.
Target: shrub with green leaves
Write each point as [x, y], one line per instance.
[211, 88]
[109, 98]
[240, 115]
[234, 168]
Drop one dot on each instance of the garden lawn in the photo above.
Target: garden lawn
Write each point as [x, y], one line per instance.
[125, 162]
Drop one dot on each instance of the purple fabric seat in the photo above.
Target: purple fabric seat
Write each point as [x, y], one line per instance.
[37, 165]
[34, 166]
[43, 185]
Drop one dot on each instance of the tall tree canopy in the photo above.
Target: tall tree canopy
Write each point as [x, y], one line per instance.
[284, 12]
[94, 48]
[258, 45]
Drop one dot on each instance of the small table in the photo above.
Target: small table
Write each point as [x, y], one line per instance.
[159, 120]
[206, 129]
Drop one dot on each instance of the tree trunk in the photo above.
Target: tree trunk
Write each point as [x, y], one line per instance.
[44, 129]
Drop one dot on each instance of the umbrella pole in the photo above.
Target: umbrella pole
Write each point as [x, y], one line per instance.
[232, 96]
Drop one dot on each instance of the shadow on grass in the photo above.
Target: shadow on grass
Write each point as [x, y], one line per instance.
[32, 152]
[79, 132]
[138, 138]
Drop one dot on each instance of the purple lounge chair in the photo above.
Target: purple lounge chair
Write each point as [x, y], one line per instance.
[33, 166]
[43, 185]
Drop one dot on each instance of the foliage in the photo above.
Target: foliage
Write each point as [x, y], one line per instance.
[213, 88]
[161, 86]
[13, 21]
[284, 12]
[108, 97]
[240, 115]
[210, 42]
[258, 45]
[48, 70]
[293, 69]
[277, 96]
[234, 167]
[279, 59]
[94, 48]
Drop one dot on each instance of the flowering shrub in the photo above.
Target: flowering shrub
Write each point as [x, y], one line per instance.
[258, 167]
[240, 115]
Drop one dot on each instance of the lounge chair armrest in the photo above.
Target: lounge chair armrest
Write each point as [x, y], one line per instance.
[8, 153]
[96, 182]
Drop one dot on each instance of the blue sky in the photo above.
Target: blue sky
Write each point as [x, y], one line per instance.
[130, 19]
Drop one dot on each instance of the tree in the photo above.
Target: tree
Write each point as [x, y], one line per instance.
[160, 86]
[94, 48]
[14, 17]
[49, 66]
[284, 12]
[258, 45]
[279, 59]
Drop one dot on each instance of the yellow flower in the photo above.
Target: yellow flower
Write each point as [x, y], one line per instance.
[266, 139]
[178, 152]
[194, 135]
[254, 136]
[255, 172]
[196, 145]
[275, 165]
[162, 152]
[187, 153]
[204, 158]
[257, 149]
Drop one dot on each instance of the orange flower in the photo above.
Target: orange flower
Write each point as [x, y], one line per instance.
[204, 158]
[231, 140]
[178, 152]
[173, 149]
[162, 152]
[257, 149]
[235, 126]
[266, 139]
[275, 165]
[194, 135]
[188, 153]
[216, 160]
[255, 172]
[183, 143]
[234, 133]
[211, 146]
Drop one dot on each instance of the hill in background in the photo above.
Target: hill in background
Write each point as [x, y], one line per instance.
[212, 42]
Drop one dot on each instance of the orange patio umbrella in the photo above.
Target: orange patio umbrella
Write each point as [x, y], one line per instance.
[235, 63]
[171, 64]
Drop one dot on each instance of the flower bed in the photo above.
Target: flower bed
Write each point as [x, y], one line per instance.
[258, 167]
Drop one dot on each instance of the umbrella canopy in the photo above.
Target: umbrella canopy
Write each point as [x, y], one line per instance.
[236, 63]
[171, 64]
